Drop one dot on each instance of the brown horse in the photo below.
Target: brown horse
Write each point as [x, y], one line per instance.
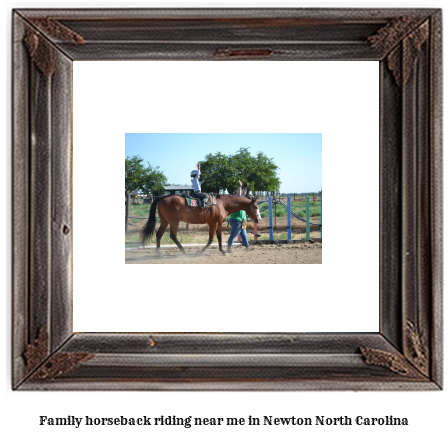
[174, 208]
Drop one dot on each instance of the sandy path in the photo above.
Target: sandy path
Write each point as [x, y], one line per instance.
[261, 254]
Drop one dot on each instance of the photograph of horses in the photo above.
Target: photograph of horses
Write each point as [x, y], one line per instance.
[223, 198]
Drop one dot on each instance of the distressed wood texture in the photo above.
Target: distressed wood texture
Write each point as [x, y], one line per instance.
[406, 353]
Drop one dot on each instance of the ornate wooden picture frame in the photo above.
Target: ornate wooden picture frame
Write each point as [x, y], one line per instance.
[406, 353]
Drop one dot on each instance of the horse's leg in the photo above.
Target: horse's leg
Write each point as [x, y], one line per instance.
[160, 231]
[173, 234]
[213, 228]
[218, 235]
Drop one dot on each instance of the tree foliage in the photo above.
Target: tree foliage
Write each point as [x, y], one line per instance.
[147, 179]
[222, 172]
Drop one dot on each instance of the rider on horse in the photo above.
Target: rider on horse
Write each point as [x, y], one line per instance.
[195, 175]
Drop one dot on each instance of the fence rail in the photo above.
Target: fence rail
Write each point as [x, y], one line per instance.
[274, 201]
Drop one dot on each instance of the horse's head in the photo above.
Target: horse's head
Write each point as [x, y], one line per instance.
[254, 212]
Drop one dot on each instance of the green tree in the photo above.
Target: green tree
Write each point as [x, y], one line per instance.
[222, 172]
[134, 171]
[263, 174]
[216, 173]
[147, 179]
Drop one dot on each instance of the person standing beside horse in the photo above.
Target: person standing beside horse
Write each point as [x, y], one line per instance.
[238, 222]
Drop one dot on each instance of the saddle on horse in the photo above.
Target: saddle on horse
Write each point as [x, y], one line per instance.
[206, 201]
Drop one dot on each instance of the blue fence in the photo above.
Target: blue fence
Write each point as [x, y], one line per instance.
[290, 213]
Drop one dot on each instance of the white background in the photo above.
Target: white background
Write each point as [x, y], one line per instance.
[112, 98]
[426, 411]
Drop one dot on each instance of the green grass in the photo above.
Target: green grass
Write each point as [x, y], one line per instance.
[300, 210]
[139, 210]
[281, 212]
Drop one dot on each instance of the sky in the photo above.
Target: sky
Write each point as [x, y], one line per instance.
[299, 156]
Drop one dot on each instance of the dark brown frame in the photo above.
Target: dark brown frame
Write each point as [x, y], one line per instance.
[406, 354]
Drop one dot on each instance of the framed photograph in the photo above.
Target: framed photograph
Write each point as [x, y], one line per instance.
[183, 342]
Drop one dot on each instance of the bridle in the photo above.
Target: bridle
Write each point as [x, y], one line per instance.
[252, 211]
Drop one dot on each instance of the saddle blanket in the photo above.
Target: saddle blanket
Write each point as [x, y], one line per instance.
[198, 202]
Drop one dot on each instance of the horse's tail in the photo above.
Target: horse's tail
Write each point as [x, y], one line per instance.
[148, 230]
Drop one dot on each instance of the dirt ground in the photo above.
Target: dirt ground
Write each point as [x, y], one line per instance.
[296, 253]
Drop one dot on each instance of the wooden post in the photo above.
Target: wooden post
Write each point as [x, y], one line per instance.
[127, 211]
[275, 214]
[289, 218]
[271, 230]
[321, 216]
[307, 218]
